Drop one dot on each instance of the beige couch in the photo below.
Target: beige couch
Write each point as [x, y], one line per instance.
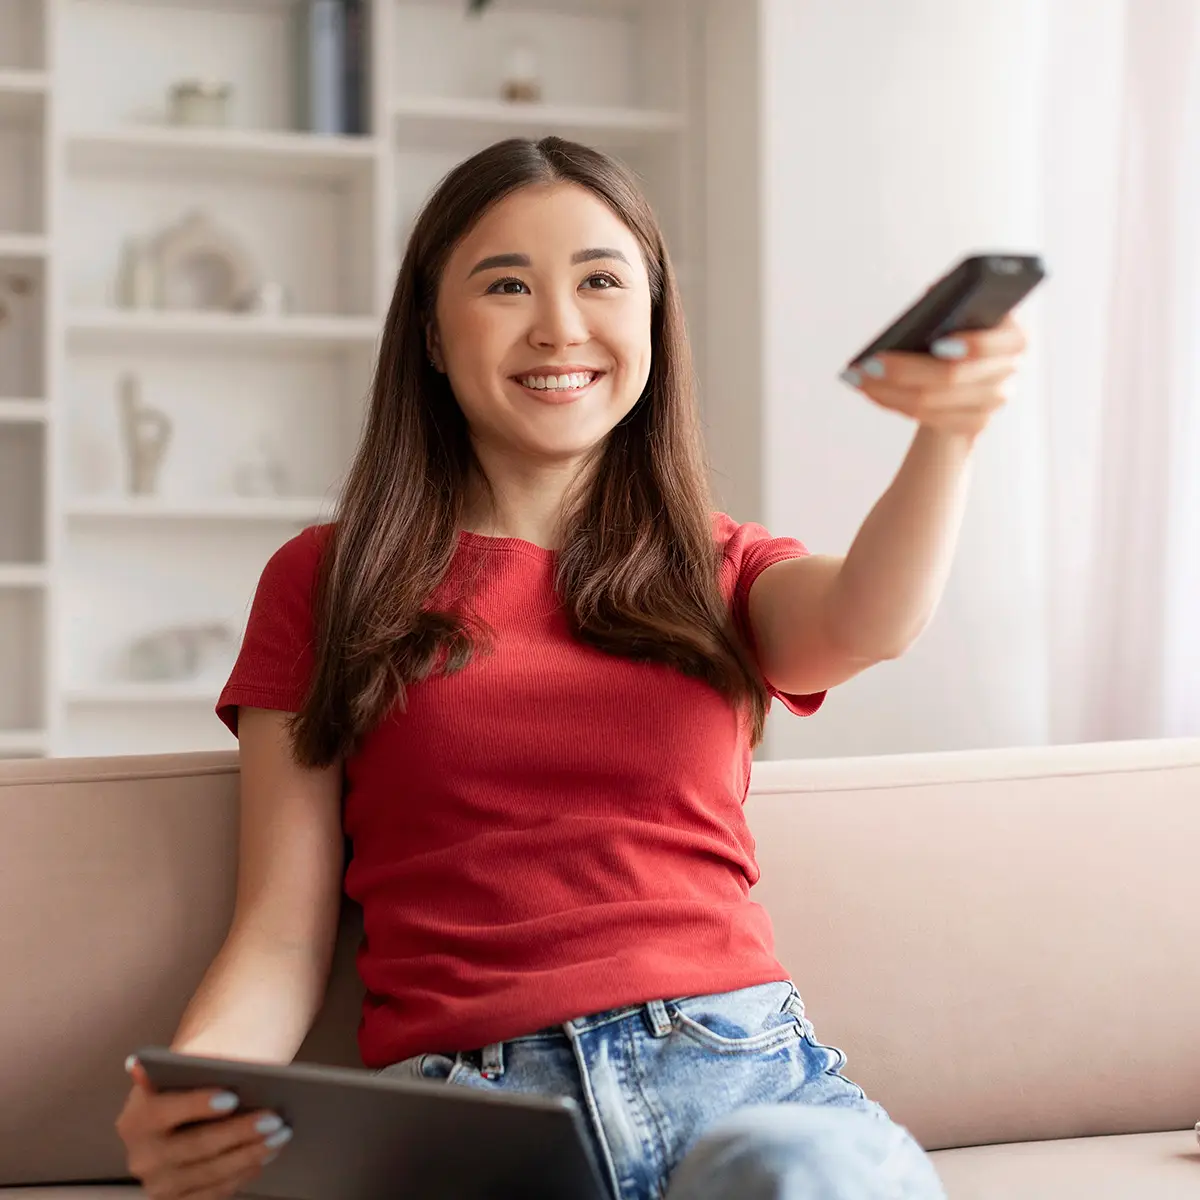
[1006, 944]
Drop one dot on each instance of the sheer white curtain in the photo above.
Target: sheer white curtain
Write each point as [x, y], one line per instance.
[1122, 356]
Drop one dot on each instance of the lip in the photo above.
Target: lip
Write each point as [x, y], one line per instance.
[555, 397]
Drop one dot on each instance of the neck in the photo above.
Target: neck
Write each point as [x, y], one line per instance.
[528, 506]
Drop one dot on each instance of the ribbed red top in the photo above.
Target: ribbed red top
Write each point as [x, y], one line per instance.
[551, 832]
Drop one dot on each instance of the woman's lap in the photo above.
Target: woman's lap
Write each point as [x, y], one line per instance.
[709, 1098]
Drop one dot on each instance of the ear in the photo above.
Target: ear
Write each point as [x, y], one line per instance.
[433, 347]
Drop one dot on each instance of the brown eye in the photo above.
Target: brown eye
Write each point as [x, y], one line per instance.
[605, 281]
[501, 286]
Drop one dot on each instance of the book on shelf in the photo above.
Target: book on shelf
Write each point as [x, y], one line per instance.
[355, 83]
[331, 76]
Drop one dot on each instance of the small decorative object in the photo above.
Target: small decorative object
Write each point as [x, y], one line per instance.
[200, 102]
[522, 84]
[201, 266]
[139, 275]
[18, 331]
[180, 652]
[269, 297]
[261, 473]
[19, 286]
[147, 433]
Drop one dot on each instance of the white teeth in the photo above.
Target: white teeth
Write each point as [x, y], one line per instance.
[559, 382]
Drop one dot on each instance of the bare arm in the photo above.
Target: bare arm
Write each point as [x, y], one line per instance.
[820, 621]
[260, 996]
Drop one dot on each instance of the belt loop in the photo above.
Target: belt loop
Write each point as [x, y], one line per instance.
[492, 1062]
[657, 1018]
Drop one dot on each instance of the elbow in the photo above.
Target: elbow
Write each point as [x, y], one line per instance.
[866, 649]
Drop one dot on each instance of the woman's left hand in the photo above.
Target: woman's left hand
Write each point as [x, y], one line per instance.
[954, 389]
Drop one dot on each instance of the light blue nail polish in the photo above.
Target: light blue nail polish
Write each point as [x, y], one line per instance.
[949, 348]
[874, 368]
[223, 1102]
[278, 1139]
[268, 1124]
[851, 376]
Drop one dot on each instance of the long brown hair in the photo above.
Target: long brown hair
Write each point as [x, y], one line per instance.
[637, 572]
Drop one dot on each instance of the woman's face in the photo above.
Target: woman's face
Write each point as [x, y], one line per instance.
[542, 325]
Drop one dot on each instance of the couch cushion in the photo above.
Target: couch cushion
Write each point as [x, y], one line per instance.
[77, 1191]
[1143, 1166]
[1140, 1166]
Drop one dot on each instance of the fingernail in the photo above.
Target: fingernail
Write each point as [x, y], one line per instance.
[949, 348]
[269, 1123]
[279, 1139]
[223, 1102]
[874, 368]
[130, 1063]
[271, 1157]
[852, 377]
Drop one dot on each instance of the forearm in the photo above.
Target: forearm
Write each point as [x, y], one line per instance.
[896, 569]
[256, 1002]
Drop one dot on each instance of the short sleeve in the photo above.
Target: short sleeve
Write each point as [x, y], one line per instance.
[275, 662]
[748, 551]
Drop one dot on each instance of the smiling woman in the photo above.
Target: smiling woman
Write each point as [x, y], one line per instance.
[522, 667]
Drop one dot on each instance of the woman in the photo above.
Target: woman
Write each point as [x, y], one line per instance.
[534, 664]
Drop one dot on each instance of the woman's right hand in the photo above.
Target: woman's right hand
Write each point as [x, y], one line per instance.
[213, 1159]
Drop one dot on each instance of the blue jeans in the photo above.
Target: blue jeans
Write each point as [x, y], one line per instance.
[725, 1097]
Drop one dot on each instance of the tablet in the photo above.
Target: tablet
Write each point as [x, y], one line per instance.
[361, 1136]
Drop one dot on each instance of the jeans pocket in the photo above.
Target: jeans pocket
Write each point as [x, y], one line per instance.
[753, 1020]
[429, 1068]
[828, 1060]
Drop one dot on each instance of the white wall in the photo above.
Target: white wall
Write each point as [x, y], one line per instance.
[894, 139]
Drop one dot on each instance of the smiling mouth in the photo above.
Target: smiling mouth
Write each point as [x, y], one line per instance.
[558, 386]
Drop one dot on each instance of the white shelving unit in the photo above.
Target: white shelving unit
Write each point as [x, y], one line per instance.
[88, 160]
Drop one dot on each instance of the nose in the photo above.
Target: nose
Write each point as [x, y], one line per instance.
[558, 320]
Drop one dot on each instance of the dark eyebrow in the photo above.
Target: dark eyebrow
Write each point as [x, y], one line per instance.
[501, 260]
[582, 256]
[523, 260]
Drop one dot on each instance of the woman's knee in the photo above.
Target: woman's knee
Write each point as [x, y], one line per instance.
[818, 1152]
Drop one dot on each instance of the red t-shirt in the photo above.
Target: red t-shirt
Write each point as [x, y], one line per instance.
[549, 833]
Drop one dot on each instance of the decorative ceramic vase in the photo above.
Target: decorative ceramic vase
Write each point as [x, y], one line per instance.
[261, 473]
[147, 433]
[200, 102]
[139, 275]
[181, 652]
[522, 81]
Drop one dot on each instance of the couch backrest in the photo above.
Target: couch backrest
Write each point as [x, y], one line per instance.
[1005, 944]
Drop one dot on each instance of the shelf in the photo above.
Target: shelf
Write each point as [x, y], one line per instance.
[22, 575]
[186, 692]
[23, 412]
[117, 328]
[23, 245]
[17, 742]
[435, 122]
[22, 92]
[220, 508]
[243, 151]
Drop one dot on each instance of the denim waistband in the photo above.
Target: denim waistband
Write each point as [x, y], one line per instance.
[654, 1012]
